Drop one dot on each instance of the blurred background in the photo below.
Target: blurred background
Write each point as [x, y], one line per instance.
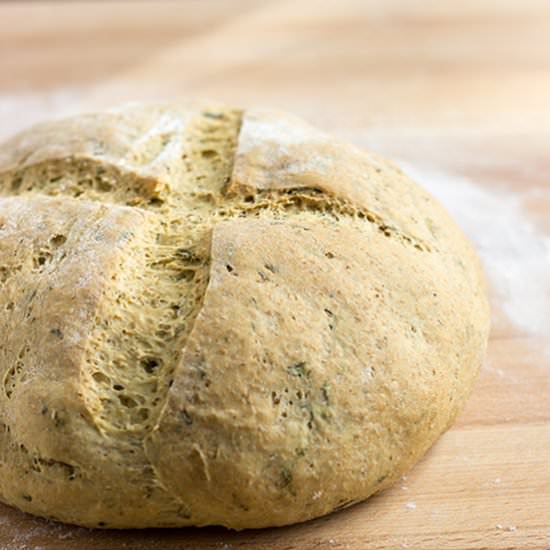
[457, 92]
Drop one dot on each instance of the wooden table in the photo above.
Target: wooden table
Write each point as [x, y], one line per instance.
[458, 91]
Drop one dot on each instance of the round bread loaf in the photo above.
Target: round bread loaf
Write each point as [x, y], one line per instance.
[214, 316]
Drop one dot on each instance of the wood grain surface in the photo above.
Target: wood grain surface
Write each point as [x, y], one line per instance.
[460, 89]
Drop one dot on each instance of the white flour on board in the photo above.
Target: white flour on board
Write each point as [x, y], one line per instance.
[515, 253]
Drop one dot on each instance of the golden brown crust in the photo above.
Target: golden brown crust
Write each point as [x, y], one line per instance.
[270, 329]
[138, 140]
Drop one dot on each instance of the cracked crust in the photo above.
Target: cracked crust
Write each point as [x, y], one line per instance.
[217, 317]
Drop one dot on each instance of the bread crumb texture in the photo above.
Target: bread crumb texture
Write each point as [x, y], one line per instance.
[211, 316]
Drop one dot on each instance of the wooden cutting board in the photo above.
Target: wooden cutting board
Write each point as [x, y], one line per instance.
[459, 92]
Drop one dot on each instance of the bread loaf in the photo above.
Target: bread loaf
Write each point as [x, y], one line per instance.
[212, 316]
